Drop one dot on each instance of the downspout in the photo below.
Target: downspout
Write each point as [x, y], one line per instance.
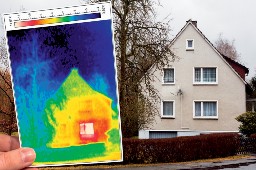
[180, 93]
[181, 111]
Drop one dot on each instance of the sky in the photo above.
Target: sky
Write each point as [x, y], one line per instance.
[234, 19]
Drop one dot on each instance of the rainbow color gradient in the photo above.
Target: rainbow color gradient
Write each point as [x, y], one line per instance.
[56, 20]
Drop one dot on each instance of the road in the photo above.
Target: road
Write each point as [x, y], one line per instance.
[240, 164]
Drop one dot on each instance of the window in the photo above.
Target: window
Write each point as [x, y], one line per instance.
[207, 75]
[162, 134]
[189, 44]
[168, 109]
[205, 109]
[86, 130]
[168, 76]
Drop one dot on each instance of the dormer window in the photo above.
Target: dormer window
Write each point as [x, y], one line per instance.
[189, 44]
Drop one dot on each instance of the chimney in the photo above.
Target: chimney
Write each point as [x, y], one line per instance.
[193, 22]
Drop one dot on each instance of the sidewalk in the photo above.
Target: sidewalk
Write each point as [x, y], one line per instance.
[225, 164]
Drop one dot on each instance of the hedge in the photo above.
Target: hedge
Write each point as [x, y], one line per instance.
[253, 140]
[253, 135]
[180, 149]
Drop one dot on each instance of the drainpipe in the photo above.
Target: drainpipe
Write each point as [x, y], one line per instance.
[180, 93]
[181, 111]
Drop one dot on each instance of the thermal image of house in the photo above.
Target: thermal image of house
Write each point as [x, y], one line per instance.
[78, 114]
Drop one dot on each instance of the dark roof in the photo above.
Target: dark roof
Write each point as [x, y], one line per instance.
[235, 62]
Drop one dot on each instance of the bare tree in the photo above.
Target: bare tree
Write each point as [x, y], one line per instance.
[227, 48]
[7, 112]
[140, 42]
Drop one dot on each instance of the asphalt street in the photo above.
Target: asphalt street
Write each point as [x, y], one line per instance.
[240, 164]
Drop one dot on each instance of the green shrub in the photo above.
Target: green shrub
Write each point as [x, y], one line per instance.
[248, 123]
[179, 149]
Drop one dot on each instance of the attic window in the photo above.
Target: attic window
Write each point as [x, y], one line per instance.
[189, 44]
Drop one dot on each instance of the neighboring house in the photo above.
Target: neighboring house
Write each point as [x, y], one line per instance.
[201, 92]
[250, 104]
[78, 114]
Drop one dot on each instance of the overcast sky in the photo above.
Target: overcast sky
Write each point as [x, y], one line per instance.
[235, 19]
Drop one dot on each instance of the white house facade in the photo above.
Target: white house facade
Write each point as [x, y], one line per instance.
[201, 92]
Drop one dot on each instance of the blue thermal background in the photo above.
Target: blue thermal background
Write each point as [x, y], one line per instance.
[41, 59]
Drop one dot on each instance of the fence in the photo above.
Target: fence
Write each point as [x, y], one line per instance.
[247, 146]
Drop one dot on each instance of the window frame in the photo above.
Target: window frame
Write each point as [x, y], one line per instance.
[173, 109]
[202, 114]
[202, 78]
[193, 45]
[173, 75]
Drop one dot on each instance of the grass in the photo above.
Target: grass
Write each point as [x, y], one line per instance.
[107, 166]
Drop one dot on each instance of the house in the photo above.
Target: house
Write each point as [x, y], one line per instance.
[201, 92]
[78, 114]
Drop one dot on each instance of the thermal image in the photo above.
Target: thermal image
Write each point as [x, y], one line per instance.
[65, 89]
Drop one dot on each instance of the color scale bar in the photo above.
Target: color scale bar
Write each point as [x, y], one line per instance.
[57, 20]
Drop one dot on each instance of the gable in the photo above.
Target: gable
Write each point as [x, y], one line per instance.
[202, 46]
